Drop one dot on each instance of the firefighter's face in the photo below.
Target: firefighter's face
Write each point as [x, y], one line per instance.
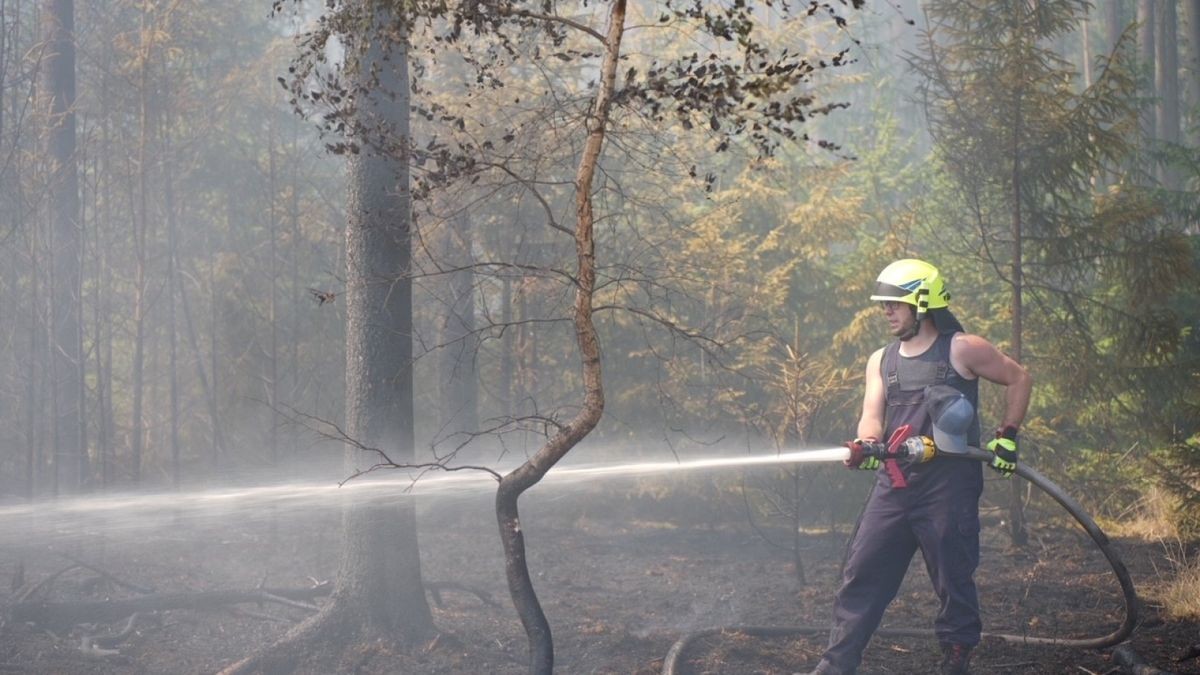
[900, 317]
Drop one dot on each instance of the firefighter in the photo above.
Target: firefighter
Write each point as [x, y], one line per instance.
[932, 362]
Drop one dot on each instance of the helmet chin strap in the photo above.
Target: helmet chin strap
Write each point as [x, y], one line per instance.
[920, 311]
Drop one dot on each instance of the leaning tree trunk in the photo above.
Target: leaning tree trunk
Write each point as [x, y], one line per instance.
[512, 485]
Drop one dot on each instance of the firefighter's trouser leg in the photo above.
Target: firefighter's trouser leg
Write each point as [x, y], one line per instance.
[879, 557]
[947, 527]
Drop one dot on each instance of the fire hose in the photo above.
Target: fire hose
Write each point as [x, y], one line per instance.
[920, 448]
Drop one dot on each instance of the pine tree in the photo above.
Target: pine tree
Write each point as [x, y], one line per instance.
[1089, 273]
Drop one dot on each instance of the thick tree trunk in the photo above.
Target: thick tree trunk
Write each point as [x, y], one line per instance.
[57, 102]
[512, 485]
[381, 572]
[378, 592]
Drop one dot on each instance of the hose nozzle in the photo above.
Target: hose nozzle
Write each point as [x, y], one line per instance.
[916, 448]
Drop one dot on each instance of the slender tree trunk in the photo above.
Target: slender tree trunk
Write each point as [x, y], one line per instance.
[506, 341]
[1146, 60]
[273, 293]
[457, 363]
[514, 484]
[106, 186]
[1193, 70]
[1017, 531]
[172, 288]
[141, 225]
[210, 399]
[57, 101]
[296, 290]
[33, 438]
[1113, 23]
[1084, 33]
[214, 342]
[1166, 81]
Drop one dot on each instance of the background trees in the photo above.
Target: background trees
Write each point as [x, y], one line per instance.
[730, 285]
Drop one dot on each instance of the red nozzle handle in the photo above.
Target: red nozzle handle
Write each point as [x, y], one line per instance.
[893, 449]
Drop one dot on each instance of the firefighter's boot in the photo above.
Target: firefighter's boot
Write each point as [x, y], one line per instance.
[956, 659]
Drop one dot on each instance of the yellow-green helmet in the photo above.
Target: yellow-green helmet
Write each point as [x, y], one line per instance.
[914, 282]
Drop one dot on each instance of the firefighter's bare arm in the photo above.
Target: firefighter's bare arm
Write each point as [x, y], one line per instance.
[870, 424]
[974, 356]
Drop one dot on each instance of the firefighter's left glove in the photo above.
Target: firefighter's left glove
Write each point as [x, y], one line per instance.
[858, 458]
[1004, 451]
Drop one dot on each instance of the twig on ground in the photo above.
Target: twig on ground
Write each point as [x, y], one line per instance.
[436, 587]
[24, 595]
[104, 645]
[123, 584]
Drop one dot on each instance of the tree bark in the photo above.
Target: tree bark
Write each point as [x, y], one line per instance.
[1166, 83]
[1193, 69]
[458, 390]
[1146, 60]
[57, 96]
[378, 592]
[1017, 531]
[141, 224]
[1113, 24]
[172, 295]
[381, 570]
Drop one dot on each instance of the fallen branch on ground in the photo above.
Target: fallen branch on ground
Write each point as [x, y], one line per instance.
[50, 614]
[435, 589]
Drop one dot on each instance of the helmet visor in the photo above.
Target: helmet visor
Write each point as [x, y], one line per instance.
[886, 291]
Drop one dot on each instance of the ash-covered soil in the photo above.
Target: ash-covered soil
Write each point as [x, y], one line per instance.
[622, 572]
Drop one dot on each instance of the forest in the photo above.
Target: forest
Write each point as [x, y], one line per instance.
[520, 336]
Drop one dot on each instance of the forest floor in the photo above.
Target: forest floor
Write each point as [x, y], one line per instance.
[621, 575]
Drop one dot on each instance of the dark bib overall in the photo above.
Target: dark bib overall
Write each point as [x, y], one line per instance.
[937, 513]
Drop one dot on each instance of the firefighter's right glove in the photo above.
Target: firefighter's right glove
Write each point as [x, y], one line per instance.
[1004, 451]
[858, 458]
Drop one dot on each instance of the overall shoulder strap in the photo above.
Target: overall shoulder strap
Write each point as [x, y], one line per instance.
[942, 345]
[890, 366]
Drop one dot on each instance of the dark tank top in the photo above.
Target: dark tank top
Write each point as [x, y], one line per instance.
[906, 378]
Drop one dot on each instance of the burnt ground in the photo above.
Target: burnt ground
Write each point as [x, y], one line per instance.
[622, 572]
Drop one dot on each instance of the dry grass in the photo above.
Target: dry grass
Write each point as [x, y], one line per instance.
[1153, 518]
[1180, 596]
[1156, 518]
